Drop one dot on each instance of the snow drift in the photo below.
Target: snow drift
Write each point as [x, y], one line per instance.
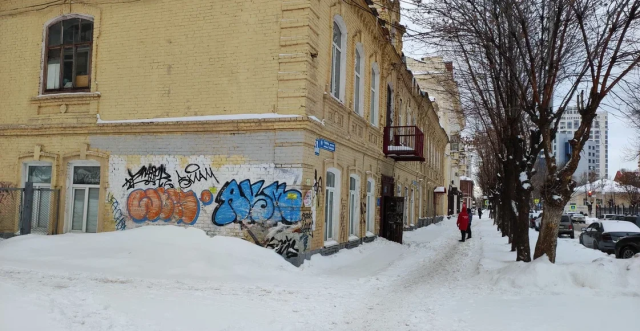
[166, 252]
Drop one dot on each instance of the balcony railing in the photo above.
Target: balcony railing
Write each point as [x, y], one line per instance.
[404, 143]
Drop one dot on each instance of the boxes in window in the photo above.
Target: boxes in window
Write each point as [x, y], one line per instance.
[82, 81]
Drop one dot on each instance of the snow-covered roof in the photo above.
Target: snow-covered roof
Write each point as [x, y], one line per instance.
[603, 185]
[440, 189]
[465, 178]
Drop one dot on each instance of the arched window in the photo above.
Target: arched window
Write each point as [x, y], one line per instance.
[358, 79]
[331, 204]
[69, 44]
[374, 94]
[354, 206]
[338, 58]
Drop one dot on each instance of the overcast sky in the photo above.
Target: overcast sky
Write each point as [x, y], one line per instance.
[621, 136]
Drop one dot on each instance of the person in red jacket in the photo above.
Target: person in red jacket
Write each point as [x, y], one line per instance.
[463, 222]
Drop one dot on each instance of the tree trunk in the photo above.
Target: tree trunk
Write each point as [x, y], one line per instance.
[521, 231]
[548, 239]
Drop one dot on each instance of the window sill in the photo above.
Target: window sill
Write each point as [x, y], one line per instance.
[353, 238]
[66, 97]
[330, 243]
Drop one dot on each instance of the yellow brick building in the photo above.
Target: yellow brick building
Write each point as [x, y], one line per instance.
[276, 121]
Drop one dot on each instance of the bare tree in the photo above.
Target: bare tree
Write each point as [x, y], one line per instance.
[548, 55]
[630, 182]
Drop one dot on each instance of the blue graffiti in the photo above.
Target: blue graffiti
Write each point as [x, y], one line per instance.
[253, 203]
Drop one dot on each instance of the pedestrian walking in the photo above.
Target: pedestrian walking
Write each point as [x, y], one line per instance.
[479, 213]
[463, 222]
[469, 226]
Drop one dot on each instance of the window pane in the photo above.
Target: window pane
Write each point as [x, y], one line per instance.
[369, 187]
[39, 174]
[92, 210]
[337, 34]
[53, 69]
[357, 97]
[86, 31]
[331, 179]
[86, 175]
[78, 209]
[67, 76]
[55, 34]
[42, 202]
[71, 31]
[82, 66]
[352, 183]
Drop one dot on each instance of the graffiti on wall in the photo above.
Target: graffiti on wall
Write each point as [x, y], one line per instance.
[118, 217]
[253, 203]
[168, 205]
[149, 176]
[268, 213]
[194, 174]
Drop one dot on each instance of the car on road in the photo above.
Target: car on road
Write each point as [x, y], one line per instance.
[603, 235]
[566, 226]
[627, 247]
[609, 216]
[578, 218]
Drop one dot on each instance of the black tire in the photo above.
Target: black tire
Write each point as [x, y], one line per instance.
[573, 235]
[627, 252]
[580, 240]
[595, 245]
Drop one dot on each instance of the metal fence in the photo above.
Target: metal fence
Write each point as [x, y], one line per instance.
[28, 210]
[617, 210]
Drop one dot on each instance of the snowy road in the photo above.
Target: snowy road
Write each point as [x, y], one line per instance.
[126, 281]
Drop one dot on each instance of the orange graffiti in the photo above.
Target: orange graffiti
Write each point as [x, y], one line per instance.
[206, 197]
[155, 204]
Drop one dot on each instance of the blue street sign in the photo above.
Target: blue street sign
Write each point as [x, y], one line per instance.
[325, 144]
[316, 148]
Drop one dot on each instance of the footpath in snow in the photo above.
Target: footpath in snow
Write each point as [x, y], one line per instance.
[171, 278]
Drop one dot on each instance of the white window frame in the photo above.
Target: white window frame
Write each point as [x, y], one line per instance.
[406, 205]
[371, 188]
[413, 207]
[354, 206]
[71, 195]
[338, 91]
[358, 84]
[330, 234]
[374, 97]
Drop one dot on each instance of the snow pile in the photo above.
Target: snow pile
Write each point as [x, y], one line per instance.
[160, 252]
[364, 260]
[577, 268]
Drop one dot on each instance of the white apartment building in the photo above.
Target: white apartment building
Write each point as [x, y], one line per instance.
[595, 156]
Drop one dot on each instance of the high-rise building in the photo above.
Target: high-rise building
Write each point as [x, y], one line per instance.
[595, 155]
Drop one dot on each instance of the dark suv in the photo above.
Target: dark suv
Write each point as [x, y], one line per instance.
[566, 226]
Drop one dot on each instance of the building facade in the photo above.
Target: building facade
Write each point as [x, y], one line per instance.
[436, 77]
[284, 123]
[594, 160]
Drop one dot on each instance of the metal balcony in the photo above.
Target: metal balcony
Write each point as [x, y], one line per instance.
[404, 143]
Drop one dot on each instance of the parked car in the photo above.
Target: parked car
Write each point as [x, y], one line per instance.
[609, 216]
[627, 247]
[566, 226]
[578, 218]
[619, 218]
[635, 219]
[603, 235]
